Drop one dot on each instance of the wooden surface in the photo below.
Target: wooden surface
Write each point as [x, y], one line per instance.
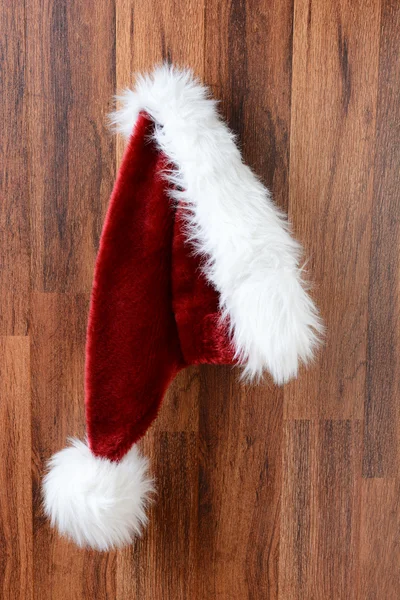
[265, 493]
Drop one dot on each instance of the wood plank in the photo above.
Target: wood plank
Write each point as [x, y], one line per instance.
[335, 68]
[150, 32]
[380, 539]
[295, 546]
[239, 495]
[14, 205]
[382, 411]
[163, 563]
[336, 490]
[62, 571]
[180, 407]
[71, 57]
[320, 510]
[15, 470]
[248, 66]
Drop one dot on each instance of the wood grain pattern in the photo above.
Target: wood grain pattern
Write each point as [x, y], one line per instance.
[320, 510]
[71, 58]
[16, 571]
[241, 478]
[14, 205]
[166, 559]
[335, 73]
[382, 412]
[264, 493]
[380, 539]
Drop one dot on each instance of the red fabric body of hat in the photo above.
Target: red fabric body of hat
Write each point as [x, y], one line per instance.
[152, 311]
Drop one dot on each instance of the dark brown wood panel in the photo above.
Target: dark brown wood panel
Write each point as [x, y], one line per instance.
[14, 174]
[71, 59]
[240, 469]
[296, 549]
[248, 67]
[335, 510]
[16, 581]
[380, 539]
[321, 510]
[382, 407]
[166, 559]
[334, 91]
[263, 493]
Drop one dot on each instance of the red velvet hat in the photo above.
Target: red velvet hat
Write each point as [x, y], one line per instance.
[196, 265]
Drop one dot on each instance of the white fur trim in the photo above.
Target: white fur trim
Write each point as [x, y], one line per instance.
[96, 502]
[250, 257]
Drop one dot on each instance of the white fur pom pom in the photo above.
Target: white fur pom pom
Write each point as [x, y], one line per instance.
[96, 502]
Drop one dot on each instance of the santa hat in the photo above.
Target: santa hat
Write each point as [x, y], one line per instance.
[196, 265]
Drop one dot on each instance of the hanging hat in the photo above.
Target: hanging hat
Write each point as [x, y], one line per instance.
[196, 265]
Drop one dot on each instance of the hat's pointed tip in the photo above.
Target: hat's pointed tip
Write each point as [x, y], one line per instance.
[96, 502]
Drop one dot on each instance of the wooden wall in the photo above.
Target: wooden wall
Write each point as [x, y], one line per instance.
[265, 493]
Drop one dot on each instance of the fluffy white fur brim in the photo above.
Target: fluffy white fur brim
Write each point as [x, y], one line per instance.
[249, 255]
[95, 502]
